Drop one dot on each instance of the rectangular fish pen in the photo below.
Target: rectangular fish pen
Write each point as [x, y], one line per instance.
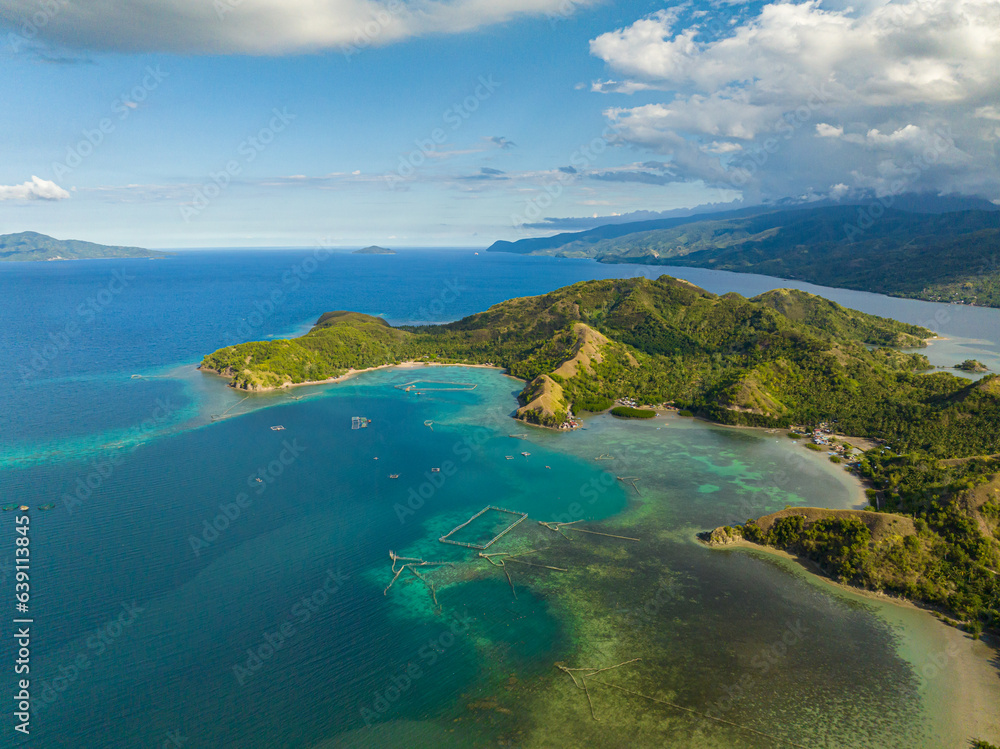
[359, 422]
[498, 527]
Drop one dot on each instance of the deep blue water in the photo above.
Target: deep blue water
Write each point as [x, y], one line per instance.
[139, 474]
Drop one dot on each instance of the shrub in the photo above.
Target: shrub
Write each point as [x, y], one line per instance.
[786, 531]
[685, 412]
[752, 532]
[593, 403]
[817, 448]
[835, 459]
[632, 413]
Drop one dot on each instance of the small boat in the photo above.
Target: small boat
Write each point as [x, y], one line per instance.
[435, 470]
[259, 481]
[509, 457]
[46, 507]
[376, 458]
[24, 508]
[277, 428]
[526, 454]
[394, 475]
[549, 467]
[8, 508]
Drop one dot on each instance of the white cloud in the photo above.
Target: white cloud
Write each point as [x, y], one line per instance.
[823, 130]
[265, 27]
[34, 189]
[618, 87]
[817, 87]
[839, 190]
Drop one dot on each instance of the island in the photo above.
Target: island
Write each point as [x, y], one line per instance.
[781, 359]
[374, 250]
[949, 255]
[32, 246]
[972, 365]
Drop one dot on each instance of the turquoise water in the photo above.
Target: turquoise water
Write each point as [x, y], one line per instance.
[166, 561]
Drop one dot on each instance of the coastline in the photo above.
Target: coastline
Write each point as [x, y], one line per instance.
[821, 458]
[413, 364]
[967, 664]
[971, 681]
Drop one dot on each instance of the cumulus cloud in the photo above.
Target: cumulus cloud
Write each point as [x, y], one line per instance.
[263, 27]
[34, 189]
[805, 95]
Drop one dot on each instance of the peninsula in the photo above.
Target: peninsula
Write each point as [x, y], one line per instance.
[782, 358]
[374, 250]
[972, 365]
[32, 246]
[775, 359]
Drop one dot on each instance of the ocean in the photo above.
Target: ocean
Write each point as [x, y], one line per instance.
[206, 577]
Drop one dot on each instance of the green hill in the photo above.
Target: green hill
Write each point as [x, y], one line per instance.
[784, 357]
[941, 257]
[30, 245]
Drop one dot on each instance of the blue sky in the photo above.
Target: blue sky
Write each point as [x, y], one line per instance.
[265, 123]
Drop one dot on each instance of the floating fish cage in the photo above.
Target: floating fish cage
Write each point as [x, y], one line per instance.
[435, 386]
[490, 524]
[359, 422]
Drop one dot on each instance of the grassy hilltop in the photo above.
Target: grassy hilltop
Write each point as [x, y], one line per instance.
[784, 357]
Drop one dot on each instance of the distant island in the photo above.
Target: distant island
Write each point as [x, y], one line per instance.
[32, 246]
[781, 359]
[374, 250]
[972, 365]
[948, 256]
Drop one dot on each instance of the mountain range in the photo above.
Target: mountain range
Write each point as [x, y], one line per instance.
[927, 251]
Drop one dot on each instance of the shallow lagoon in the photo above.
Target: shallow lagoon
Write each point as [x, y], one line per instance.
[479, 667]
[158, 626]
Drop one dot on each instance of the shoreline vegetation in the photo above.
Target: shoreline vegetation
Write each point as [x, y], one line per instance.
[780, 360]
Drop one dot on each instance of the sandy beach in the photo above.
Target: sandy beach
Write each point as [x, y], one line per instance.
[354, 372]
